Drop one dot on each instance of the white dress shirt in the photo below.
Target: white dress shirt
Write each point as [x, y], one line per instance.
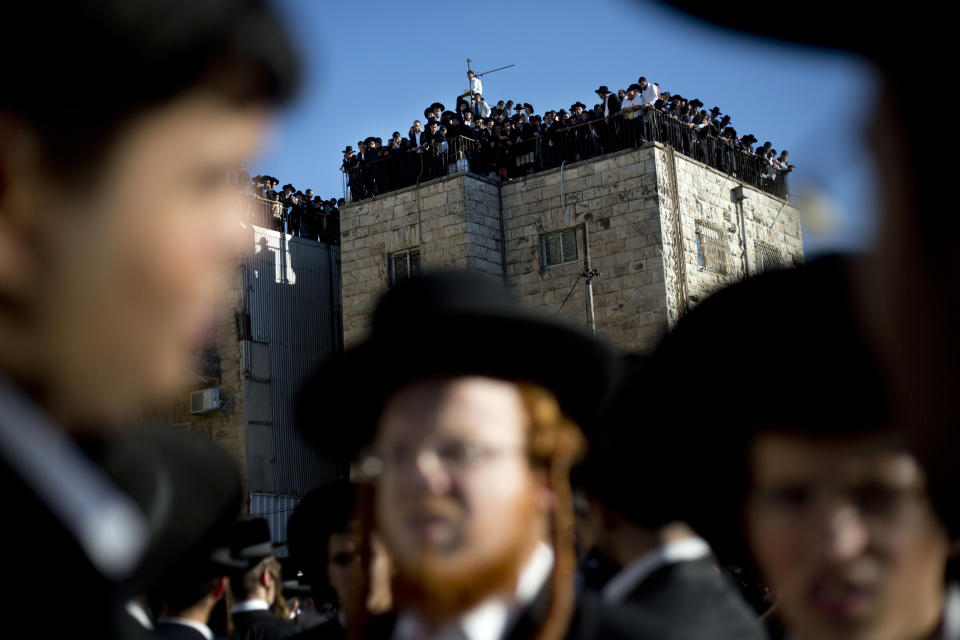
[632, 575]
[475, 85]
[651, 94]
[628, 103]
[193, 624]
[491, 619]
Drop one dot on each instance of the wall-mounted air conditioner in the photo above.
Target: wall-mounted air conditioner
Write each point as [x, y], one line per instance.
[204, 401]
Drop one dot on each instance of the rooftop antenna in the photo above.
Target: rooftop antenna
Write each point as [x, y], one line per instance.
[469, 60]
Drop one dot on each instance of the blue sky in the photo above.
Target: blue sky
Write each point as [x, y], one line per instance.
[372, 67]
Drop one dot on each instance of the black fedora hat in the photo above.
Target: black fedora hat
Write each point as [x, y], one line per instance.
[748, 139]
[250, 540]
[446, 323]
[715, 110]
[835, 386]
[695, 102]
[188, 488]
[614, 463]
[348, 149]
[603, 90]
[437, 105]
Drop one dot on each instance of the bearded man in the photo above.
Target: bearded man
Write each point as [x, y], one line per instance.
[469, 446]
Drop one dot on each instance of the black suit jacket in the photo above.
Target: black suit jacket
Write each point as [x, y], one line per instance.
[92, 603]
[174, 631]
[592, 620]
[613, 103]
[697, 601]
[262, 625]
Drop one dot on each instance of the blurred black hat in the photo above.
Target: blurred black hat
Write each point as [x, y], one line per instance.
[715, 110]
[348, 149]
[603, 90]
[696, 103]
[446, 323]
[825, 382]
[748, 139]
[612, 466]
[189, 489]
[437, 105]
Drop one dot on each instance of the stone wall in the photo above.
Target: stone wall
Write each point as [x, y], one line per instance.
[616, 197]
[457, 225]
[226, 427]
[708, 202]
[642, 210]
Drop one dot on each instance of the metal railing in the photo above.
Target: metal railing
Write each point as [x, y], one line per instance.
[509, 156]
[304, 222]
[406, 167]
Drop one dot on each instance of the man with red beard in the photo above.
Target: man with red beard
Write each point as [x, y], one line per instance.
[469, 444]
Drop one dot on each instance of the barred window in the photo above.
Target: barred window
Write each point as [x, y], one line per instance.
[711, 254]
[402, 266]
[769, 257]
[559, 247]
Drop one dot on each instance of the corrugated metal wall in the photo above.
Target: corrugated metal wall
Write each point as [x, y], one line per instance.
[277, 510]
[293, 298]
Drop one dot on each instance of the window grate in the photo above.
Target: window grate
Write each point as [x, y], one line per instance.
[769, 257]
[711, 254]
[403, 266]
[559, 247]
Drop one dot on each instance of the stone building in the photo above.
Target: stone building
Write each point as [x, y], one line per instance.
[662, 229]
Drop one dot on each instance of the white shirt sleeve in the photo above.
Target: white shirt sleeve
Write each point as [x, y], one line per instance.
[476, 86]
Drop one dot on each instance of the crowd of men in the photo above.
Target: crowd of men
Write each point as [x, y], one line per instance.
[299, 213]
[510, 140]
[511, 477]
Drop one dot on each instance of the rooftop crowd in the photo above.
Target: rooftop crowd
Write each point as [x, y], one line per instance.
[289, 210]
[510, 477]
[509, 139]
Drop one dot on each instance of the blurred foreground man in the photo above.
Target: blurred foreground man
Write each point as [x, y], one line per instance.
[116, 220]
[470, 440]
[814, 470]
[663, 566]
[326, 540]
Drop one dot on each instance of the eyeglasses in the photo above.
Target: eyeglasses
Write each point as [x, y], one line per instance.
[876, 501]
[455, 456]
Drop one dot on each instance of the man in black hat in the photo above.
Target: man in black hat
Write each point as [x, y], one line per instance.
[350, 167]
[326, 540]
[187, 601]
[470, 445]
[817, 482]
[99, 301]
[258, 585]
[662, 565]
[611, 103]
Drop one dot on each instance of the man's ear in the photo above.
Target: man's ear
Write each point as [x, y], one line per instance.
[265, 578]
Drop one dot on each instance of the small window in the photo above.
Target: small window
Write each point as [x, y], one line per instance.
[711, 255]
[403, 265]
[769, 257]
[559, 248]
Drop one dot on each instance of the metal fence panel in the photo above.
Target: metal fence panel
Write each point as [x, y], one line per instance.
[293, 301]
